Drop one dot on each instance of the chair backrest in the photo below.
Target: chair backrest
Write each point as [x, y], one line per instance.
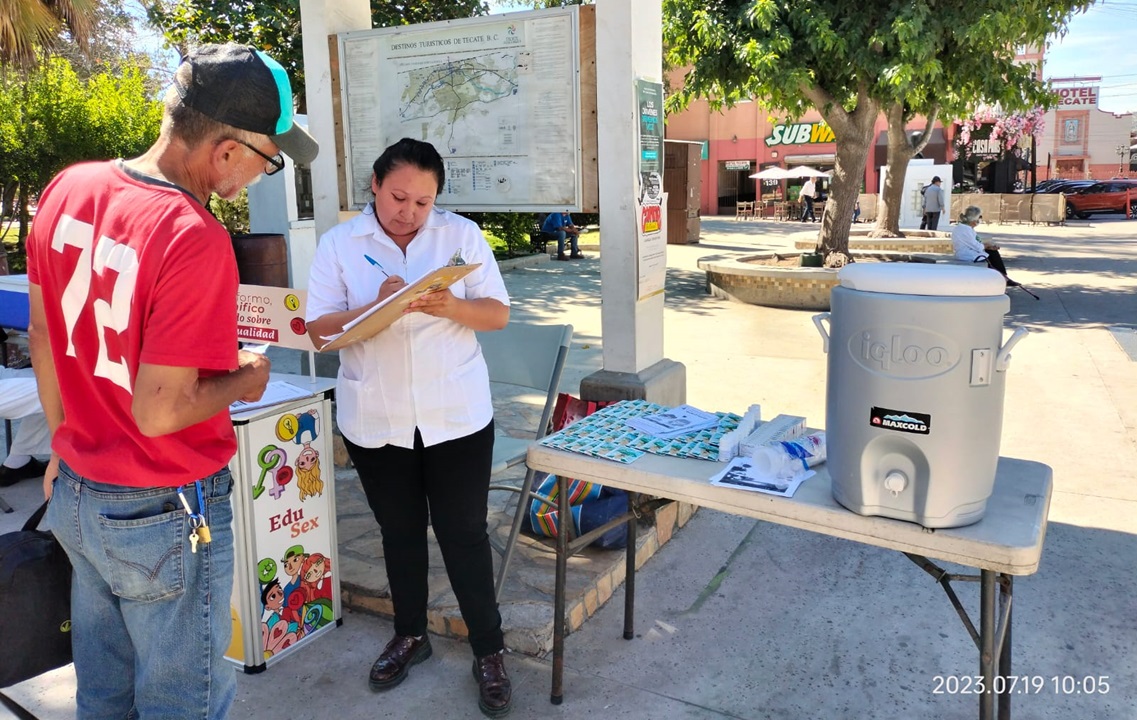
[531, 356]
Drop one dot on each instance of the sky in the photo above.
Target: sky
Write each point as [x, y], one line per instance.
[1101, 42]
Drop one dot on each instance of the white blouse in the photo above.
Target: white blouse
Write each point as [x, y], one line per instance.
[966, 243]
[420, 372]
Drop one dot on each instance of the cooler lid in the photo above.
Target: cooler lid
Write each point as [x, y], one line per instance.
[906, 278]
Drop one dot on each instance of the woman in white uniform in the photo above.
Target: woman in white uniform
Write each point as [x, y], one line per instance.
[413, 402]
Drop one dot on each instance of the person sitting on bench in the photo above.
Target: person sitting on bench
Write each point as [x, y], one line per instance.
[968, 247]
[19, 400]
[560, 225]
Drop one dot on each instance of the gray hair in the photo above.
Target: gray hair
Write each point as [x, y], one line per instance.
[970, 215]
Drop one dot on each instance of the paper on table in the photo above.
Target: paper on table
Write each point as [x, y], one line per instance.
[740, 474]
[672, 423]
[277, 391]
[391, 309]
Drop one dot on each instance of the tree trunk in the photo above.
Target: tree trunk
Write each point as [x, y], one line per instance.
[900, 151]
[22, 211]
[852, 132]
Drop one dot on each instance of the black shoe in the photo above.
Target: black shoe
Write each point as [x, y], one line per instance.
[31, 469]
[1012, 283]
[495, 693]
[391, 667]
[576, 256]
[562, 256]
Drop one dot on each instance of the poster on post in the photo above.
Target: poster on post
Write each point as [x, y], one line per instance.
[649, 101]
[651, 247]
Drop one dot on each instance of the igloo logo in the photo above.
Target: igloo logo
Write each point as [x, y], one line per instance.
[904, 352]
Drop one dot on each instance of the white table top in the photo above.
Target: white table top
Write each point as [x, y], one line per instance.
[316, 386]
[1008, 539]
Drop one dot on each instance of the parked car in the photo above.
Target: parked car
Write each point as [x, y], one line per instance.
[1110, 196]
[1065, 186]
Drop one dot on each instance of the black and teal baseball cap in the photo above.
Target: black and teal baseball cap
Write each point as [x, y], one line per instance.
[241, 86]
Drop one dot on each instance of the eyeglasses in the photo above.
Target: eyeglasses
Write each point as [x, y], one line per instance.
[273, 164]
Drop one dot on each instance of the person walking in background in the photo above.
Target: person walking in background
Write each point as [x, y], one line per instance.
[968, 247]
[561, 225]
[19, 400]
[133, 338]
[806, 198]
[413, 404]
[933, 204]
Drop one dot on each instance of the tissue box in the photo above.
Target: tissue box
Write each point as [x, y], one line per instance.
[783, 427]
[14, 301]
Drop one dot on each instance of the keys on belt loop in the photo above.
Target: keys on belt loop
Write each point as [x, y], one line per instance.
[199, 530]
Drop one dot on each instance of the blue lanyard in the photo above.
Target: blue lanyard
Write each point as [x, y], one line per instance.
[196, 519]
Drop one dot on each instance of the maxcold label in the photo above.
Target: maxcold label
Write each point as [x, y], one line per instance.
[901, 420]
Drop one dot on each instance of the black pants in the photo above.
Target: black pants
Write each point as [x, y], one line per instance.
[931, 221]
[448, 484]
[807, 209]
[994, 261]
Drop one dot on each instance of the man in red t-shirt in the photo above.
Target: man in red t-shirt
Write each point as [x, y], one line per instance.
[133, 336]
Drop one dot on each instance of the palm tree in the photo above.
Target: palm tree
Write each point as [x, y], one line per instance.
[26, 25]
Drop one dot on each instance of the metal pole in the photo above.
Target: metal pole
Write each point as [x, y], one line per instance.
[564, 521]
[987, 644]
[630, 574]
[1006, 592]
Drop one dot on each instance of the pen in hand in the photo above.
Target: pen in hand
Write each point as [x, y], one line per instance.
[375, 262]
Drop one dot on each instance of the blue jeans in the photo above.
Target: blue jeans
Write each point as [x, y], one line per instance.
[561, 234]
[150, 619]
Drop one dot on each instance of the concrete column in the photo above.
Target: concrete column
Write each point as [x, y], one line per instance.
[628, 45]
[318, 20]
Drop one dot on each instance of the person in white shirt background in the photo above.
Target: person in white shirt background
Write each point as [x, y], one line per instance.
[19, 400]
[413, 402]
[806, 198]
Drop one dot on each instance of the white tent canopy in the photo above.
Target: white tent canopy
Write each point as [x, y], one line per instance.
[780, 173]
[772, 173]
[806, 171]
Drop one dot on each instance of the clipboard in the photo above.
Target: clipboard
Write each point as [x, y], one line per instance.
[375, 320]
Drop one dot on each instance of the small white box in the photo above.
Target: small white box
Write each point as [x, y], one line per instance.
[782, 427]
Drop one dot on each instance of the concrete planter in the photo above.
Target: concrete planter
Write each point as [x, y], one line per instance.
[745, 279]
[915, 241]
[798, 288]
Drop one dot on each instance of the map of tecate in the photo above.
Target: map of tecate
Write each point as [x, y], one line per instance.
[499, 99]
[450, 103]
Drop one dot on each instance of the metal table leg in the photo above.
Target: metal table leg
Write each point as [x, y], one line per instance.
[993, 638]
[987, 644]
[630, 574]
[1006, 591]
[564, 518]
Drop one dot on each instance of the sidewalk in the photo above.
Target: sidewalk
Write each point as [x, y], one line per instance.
[742, 619]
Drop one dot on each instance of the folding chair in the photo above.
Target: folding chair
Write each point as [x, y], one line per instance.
[528, 356]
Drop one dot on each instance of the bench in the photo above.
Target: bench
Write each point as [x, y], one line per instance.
[538, 240]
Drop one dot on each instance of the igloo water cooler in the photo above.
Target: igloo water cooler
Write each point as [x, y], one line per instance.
[914, 402]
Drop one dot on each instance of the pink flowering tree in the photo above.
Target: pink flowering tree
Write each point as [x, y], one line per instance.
[1007, 128]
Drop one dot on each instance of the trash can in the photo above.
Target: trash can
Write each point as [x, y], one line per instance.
[914, 399]
[262, 259]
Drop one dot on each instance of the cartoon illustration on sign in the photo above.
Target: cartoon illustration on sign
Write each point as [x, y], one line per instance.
[275, 461]
[308, 473]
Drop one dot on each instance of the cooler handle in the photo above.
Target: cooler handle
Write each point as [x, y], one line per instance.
[817, 320]
[1004, 357]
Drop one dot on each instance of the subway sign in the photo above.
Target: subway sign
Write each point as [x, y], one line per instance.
[800, 134]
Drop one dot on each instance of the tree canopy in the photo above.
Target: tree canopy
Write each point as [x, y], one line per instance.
[274, 25]
[50, 118]
[849, 59]
[28, 26]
